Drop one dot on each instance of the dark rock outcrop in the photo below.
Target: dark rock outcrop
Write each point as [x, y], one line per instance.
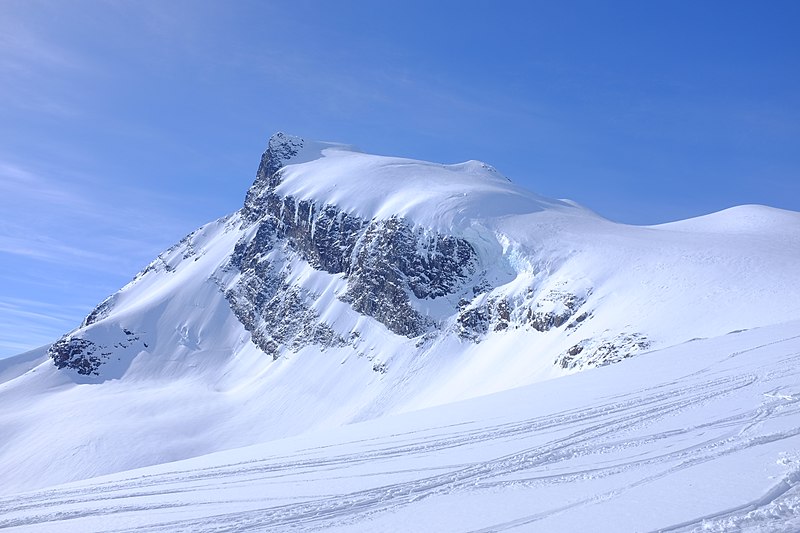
[85, 356]
[274, 312]
[81, 355]
[281, 149]
[600, 352]
[386, 262]
[99, 312]
[546, 312]
[392, 260]
[553, 310]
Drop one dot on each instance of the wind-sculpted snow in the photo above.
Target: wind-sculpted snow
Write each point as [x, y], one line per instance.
[700, 437]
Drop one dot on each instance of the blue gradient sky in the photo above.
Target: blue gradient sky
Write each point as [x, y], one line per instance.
[125, 125]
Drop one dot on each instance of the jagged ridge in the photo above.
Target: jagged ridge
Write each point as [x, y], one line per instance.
[417, 251]
[390, 265]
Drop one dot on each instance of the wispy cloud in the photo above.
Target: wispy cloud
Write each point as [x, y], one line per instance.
[46, 248]
[72, 222]
[33, 62]
[46, 311]
[26, 323]
[19, 183]
[24, 52]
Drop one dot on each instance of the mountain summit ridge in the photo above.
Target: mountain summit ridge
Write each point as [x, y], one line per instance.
[417, 246]
[370, 186]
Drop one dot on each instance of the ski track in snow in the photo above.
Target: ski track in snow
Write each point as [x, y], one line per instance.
[627, 441]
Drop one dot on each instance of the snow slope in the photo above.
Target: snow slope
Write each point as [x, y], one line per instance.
[704, 436]
[181, 366]
[440, 197]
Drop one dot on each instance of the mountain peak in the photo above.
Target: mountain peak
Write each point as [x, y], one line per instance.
[284, 149]
[439, 196]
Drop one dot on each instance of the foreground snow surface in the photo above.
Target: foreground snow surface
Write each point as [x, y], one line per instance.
[704, 436]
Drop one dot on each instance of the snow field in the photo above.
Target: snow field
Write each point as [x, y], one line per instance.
[699, 437]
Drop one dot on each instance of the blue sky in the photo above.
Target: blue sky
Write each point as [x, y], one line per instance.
[125, 125]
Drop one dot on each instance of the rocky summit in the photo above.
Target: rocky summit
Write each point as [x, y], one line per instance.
[393, 269]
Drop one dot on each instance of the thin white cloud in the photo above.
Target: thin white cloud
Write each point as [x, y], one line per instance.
[26, 323]
[36, 61]
[18, 183]
[82, 223]
[10, 348]
[23, 54]
[25, 50]
[48, 249]
[27, 308]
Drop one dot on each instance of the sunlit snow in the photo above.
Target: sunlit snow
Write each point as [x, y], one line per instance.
[697, 429]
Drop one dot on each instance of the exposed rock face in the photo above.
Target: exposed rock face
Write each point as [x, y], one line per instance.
[601, 352]
[390, 270]
[80, 355]
[274, 312]
[99, 312]
[281, 149]
[386, 262]
[551, 310]
[85, 356]
[474, 322]
[392, 260]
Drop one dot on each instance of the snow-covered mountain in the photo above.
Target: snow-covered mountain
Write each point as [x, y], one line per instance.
[353, 286]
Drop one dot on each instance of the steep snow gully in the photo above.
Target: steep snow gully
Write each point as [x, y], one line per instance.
[381, 344]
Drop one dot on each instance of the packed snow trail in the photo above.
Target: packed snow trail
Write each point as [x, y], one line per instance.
[704, 436]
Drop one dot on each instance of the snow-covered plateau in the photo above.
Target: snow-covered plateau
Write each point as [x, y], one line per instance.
[381, 344]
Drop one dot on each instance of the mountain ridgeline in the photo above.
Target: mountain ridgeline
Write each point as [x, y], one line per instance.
[387, 263]
[333, 244]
